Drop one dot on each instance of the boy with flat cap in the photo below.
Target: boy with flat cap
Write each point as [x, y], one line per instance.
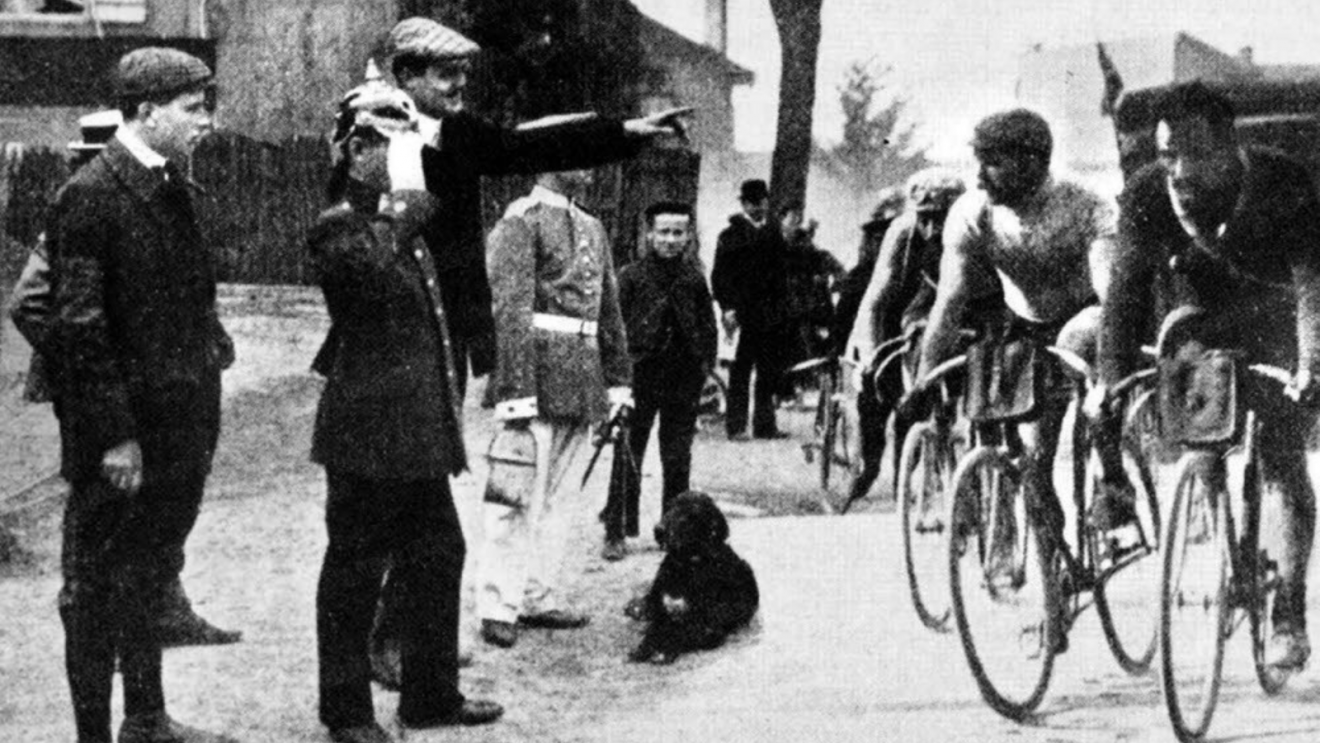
[138, 349]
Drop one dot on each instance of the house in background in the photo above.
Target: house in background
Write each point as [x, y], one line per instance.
[1065, 85]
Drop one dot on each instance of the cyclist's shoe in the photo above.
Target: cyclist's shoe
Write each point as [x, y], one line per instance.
[1114, 518]
[1289, 649]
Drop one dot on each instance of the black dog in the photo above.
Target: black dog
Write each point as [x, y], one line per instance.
[703, 590]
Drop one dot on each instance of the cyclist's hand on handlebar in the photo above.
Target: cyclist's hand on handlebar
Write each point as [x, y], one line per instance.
[1304, 389]
[1096, 403]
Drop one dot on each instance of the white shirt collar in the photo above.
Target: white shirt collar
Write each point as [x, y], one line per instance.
[134, 144]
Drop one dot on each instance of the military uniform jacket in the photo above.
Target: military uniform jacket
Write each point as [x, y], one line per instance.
[135, 340]
[390, 405]
[471, 147]
[547, 257]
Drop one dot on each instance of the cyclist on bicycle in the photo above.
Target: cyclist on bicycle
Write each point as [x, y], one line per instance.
[898, 297]
[1235, 231]
[1035, 238]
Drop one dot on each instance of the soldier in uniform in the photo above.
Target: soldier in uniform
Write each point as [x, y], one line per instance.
[562, 359]
[138, 348]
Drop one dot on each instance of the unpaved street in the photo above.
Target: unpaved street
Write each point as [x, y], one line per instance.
[836, 654]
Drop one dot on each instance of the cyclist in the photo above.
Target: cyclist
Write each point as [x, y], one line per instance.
[899, 295]
[1235, 231]
[1035, 238]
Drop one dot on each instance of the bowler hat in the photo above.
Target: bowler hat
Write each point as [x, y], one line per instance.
[97, 129]
[753, 190]
[423, 37]
[159, 72]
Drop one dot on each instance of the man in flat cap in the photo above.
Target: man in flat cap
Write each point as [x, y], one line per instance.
[137, 349]
[431, 63]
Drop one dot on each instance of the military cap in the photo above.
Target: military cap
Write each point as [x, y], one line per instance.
[1019, 129]
[159, 72]
[375, 104]
[97, 129]
[423, 37]
[753, 190]
[934, 189]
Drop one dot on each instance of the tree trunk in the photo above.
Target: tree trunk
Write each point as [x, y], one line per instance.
[799, 43]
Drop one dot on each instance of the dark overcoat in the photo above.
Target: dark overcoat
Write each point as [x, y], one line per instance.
[136, 344]
[389, 408]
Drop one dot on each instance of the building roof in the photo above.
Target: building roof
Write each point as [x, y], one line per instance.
[667, 38]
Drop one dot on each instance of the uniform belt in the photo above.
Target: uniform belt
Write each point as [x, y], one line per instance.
[563, 324]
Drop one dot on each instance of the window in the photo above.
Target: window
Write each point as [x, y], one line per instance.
[110, 11]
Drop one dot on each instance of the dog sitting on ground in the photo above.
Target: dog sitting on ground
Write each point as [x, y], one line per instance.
[703, 590]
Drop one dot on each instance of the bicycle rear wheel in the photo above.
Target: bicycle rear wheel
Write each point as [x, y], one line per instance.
[1126, 594]
[925, 482]
[1195, 610]
[1009, 623]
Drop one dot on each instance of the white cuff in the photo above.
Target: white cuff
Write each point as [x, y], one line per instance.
[430, 129]
[620, 396]
[523, 407]
[404, 162]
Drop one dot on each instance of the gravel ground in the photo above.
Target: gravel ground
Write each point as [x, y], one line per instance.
[835, 654]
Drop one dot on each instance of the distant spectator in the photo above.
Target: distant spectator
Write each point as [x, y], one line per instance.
[749, 283]
[810, 274]
[671, 340]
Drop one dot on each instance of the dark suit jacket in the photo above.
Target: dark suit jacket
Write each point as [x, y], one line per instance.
[749, 275]
[136, 343]
[471, 147]
[389, 408]
[668, 313]
[1259, 280]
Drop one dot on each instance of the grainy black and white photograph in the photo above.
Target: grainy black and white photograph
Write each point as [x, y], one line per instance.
[654, 371]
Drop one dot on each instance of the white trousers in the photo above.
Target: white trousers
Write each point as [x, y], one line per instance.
[523, 551]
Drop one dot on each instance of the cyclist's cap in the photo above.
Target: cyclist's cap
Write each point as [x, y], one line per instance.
[934, 190]
[1019, 130]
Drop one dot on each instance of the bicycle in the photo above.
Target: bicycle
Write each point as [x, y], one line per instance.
[831, 446]
[1215, 571]
[930, 455]
[1013, 629]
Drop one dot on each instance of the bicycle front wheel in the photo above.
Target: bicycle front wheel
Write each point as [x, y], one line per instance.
[925, 480]
[1195, 610]
[1005, 598]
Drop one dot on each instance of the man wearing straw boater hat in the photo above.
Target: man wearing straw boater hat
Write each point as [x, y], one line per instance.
[137, 350]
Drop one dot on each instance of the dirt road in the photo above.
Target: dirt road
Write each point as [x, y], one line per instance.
[835, 655]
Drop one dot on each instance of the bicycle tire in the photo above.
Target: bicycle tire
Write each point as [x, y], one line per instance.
[1208, 524]
[1264, 590]
[1136, 652]
[829, 430]
[1012, 692]
[921, 449]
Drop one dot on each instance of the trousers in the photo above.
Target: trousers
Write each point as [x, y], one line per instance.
[412, 527]
[525, 544]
